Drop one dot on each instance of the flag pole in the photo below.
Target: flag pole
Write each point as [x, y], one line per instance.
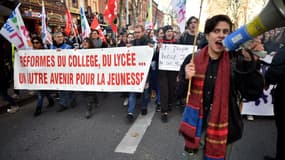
[193, 51]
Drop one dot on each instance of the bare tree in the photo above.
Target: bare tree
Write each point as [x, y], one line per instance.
[122, 12]
[136, 10]
[234, 11]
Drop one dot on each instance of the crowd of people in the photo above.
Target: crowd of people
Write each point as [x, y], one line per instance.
[211, 120]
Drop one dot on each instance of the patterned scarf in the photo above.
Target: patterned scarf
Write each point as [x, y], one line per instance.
[217, 128]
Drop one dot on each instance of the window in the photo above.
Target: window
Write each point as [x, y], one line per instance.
[75, 3]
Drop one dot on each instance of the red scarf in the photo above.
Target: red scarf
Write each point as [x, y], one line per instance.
[217, 128]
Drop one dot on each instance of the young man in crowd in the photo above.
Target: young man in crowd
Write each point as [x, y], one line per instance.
[140, 40]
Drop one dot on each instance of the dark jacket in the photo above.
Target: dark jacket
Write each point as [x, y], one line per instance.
[141, 42]
[186, 38]
[276, 73]
[5, 62]
[235, 121]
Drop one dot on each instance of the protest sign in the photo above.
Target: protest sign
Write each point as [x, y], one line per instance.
[171, 56]
[109, 69]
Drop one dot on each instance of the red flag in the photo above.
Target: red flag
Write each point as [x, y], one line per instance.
[68, 22]
[110, 13]
[95, 25]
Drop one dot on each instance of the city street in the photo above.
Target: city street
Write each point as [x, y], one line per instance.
[108, 135]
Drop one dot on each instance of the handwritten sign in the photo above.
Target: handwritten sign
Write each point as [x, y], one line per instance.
[110, 69]
[172, 56]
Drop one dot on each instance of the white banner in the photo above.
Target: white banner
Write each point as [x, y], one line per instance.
[171, 56]
[109, 69]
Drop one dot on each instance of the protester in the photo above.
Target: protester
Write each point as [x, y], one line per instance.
[167, 79]
[211, 120]
[67, 98]
[92, 97]
[270, 45]
[153, 83]
[188, 35]
[140, 39]
[123, 43]
[96, 41]
[160, 34]
[73, 40]
[123, 40]
[275, 75]
[6, 74]
[38, 44]
[130, 38]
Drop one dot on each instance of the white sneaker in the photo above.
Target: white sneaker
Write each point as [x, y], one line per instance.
[31, 93]
[126, 102]
[13, 109]
[15, 96]
[250, 117]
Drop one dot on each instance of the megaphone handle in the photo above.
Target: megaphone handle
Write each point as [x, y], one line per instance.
[260, 54]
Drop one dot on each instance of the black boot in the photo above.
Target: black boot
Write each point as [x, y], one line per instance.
[50, 104]
[38, 111]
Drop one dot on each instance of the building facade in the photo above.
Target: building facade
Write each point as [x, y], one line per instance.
[55, 11]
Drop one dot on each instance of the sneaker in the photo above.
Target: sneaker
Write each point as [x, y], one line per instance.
[144, 112]
[164, 117]
[13, 109]
[250, 117]
[130, 117]
[37, 112]
[126, 102]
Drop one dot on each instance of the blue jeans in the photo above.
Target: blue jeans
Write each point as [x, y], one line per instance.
[133, 97]
[66, 98]
[41, 96]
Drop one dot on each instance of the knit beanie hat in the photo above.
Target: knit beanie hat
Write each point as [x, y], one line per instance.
[167, 27]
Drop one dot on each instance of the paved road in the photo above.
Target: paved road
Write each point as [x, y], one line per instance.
[69, 136]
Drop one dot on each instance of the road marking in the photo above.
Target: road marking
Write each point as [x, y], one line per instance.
[135, 134]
